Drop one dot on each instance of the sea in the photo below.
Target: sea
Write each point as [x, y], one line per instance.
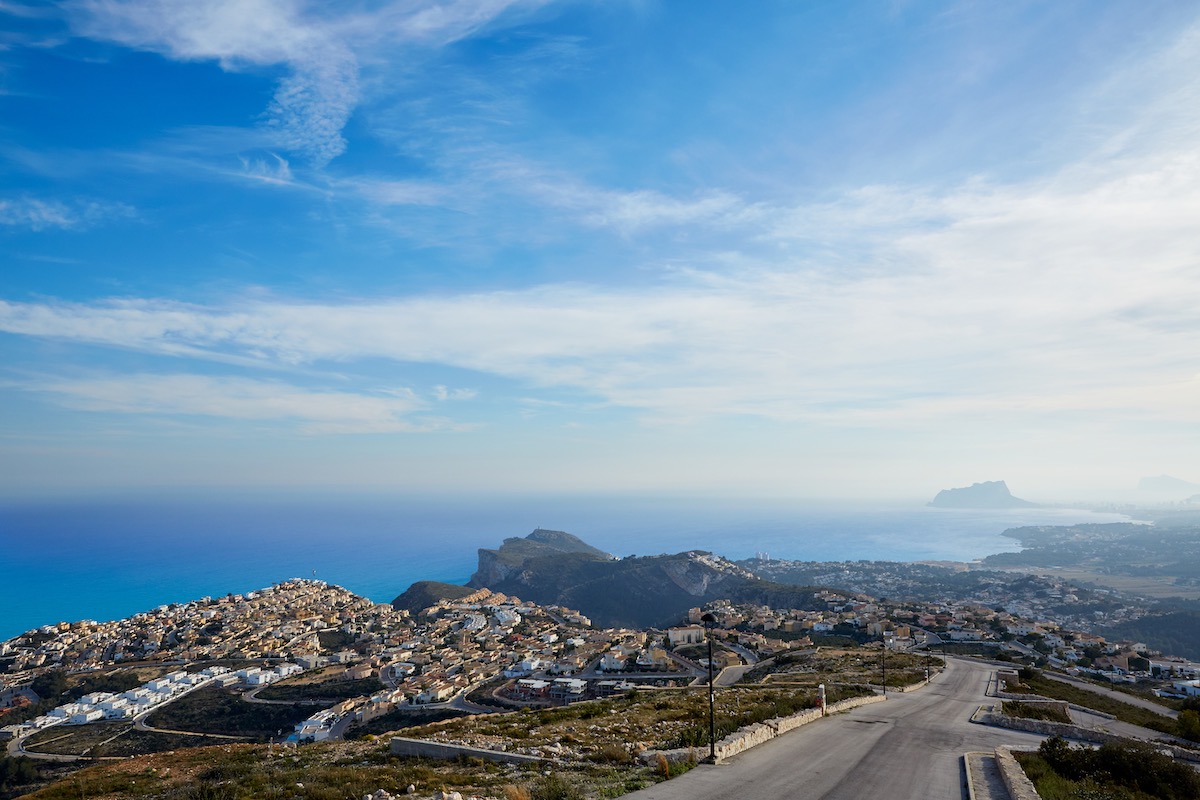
[111, 557]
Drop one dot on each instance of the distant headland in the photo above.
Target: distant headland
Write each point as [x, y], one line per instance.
[989, 494]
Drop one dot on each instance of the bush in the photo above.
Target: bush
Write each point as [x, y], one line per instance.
[612, 754]
[18, 771]
[1188, 725]
[555, 787]
[1134, 766]
[1014, 708]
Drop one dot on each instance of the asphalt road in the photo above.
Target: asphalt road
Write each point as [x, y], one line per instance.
[910, 747]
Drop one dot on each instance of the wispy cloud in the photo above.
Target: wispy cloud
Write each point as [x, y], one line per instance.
[393, 192]
[1081, 285]
[878, 303]
[321, 49]
[274, 169]
[444, 393]
[38, 214]
[231, 398]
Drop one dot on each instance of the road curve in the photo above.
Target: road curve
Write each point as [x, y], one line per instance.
[907, 748]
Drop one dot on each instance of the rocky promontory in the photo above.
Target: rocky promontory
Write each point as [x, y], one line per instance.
[989, 494]
[556, 568]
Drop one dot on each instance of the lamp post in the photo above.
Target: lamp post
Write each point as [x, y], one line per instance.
[709, 623]
[883, 661]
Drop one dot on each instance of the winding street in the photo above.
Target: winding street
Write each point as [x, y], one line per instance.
[909, 747]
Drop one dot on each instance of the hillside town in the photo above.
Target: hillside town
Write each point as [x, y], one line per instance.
[525, 652]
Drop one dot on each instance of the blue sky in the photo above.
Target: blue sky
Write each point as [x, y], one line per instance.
[799, 249]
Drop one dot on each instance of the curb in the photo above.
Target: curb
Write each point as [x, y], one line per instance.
[967, 766]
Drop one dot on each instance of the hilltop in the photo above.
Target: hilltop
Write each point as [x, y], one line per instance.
[556, 568]
[989, 494]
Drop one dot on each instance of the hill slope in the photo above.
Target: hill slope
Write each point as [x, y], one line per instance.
[423, 594]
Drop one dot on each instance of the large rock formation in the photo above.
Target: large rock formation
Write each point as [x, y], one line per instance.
[556, 568]
[989, 494]
[497, 566]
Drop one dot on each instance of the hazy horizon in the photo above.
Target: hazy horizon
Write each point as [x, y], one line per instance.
[800, 250]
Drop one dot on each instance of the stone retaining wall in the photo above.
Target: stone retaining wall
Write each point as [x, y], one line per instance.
[1075, 732]
[912, 687]
[1044, 727]
[1015, 780]
[1003, 676]
[1060, 706]
[753, 735]
[423, 749]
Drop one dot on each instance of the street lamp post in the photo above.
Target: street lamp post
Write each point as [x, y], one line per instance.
[709, 623]
[883, 661]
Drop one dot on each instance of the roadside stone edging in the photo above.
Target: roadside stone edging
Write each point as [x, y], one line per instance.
[402, 746]
[913, 686]
[1046, 728]
[753, 735]
[1004, 675]
[1015, 780]
[1037, 698]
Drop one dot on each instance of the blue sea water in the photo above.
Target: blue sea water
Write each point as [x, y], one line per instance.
[106, 559]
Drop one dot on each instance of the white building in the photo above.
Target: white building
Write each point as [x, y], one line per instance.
[689, 634]
[612, 661]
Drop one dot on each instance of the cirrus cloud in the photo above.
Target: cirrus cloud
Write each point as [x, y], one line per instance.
[319, 47]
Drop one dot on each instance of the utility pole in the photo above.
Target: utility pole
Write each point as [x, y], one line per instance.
[883, 660]
[709, 623]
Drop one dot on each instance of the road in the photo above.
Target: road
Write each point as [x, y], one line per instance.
[909, 747]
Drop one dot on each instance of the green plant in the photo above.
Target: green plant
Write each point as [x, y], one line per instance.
[1015, 708]
[1116, 768]
[1188, 725]
[555, 787]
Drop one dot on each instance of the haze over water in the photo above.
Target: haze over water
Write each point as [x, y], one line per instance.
[106, 559]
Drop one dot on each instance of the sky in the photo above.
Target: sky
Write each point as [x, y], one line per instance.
[809, 249]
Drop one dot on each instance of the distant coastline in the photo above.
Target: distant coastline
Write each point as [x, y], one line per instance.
[106, 560]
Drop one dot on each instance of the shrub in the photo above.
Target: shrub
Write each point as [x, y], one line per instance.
[612, 754]
[1188, 725]
[513, 792]
[1134, 766]
[1015, 708]
[555, 787]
